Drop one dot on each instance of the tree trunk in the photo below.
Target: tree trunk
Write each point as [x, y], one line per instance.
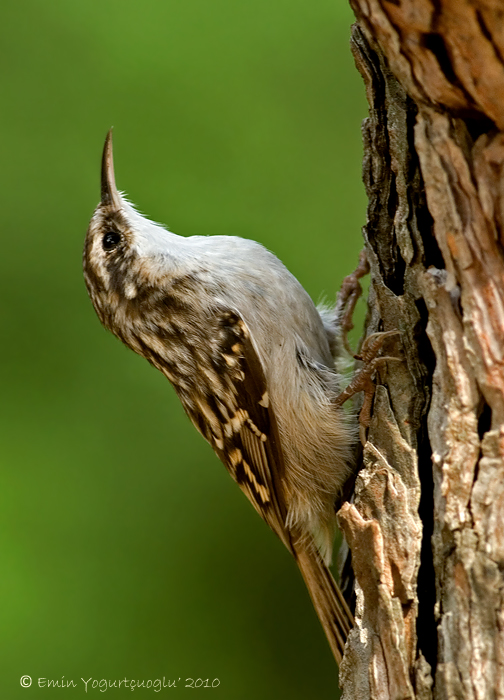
[426, 526]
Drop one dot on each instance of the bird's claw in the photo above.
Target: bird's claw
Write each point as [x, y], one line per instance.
[363, 380]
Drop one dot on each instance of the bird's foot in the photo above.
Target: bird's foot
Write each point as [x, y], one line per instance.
[363, 380]
[348, 296]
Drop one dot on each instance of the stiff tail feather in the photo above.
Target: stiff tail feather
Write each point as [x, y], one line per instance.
[330, 606]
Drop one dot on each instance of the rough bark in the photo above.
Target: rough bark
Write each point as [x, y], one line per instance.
[426, 525]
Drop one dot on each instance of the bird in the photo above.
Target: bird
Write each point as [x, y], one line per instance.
[252, 360]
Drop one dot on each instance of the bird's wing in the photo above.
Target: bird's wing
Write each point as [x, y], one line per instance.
[237, 418]
[235, 414]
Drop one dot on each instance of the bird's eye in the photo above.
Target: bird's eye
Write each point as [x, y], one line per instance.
[111, 240]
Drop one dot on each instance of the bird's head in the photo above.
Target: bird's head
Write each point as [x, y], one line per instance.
[125, 254]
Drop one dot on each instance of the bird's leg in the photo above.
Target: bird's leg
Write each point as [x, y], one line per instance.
[363, 380]
[349, 293]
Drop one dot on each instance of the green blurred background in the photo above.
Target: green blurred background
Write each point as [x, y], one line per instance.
[126, 549]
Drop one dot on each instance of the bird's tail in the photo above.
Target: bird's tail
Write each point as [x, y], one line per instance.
[330, 606]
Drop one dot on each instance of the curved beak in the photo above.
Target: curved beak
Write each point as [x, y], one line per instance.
[109, 193]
